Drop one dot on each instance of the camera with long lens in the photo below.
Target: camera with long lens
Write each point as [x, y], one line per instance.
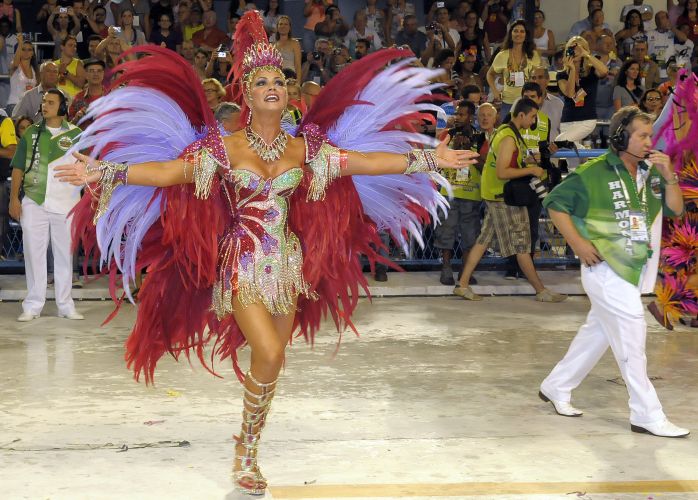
[539, 187]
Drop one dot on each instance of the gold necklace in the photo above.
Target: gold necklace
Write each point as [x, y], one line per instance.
[267, 152]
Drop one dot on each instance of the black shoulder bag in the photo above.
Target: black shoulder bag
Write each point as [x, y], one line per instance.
[518, 192]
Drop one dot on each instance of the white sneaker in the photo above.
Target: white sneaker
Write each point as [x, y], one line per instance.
[561, 407]
[661, 429]
[27, 316]
[71, 315]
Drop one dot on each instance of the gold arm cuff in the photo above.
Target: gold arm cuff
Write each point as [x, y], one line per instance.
[421, 160]
[113, 175]
[326, 167]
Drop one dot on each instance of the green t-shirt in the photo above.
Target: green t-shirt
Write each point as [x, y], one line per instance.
[595, 198]
[492, 187]
[50, 148]
[533, 137]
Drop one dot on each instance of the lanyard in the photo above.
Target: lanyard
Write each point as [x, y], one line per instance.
[643, 206]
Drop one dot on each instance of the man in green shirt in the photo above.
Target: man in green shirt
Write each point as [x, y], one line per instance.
[43, 212]
[610, 212]
[508, 223]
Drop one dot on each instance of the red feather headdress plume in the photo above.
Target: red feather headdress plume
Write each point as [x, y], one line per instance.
[253, 52]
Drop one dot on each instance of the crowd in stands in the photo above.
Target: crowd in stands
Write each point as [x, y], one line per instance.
[488, 54]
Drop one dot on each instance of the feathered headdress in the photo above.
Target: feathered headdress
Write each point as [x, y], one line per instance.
[253, 52]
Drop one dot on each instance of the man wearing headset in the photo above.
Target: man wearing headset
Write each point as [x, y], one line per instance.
[610, 212]
[43, 210]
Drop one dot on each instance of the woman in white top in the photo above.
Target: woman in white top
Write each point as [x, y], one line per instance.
[289, 47]
[23, 72]
[542, 36]
[271, 17]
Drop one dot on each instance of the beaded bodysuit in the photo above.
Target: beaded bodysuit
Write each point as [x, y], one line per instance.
[260, 259]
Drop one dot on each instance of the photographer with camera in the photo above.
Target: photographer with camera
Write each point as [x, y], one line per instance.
[313, 69]
[509, 223]
[539, 149]
[334, 27]
[495, 18]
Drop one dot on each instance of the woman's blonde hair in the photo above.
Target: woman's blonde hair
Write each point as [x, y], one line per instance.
[578, 40]
[220, 91]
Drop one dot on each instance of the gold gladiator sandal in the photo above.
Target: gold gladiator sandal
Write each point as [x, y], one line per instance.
[256, 406]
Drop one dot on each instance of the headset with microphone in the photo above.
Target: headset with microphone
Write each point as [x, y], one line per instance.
[621, 138]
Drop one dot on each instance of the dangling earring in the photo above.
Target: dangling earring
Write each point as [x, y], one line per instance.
[249, 117]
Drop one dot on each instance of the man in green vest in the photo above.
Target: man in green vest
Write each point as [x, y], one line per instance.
[533, 136]
[610, 212]
[505, 160]
[43, 211]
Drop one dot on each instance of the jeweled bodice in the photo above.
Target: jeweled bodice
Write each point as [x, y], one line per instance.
[261, 260]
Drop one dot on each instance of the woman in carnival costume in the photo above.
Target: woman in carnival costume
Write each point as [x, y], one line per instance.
[677, 289]
[223, 223]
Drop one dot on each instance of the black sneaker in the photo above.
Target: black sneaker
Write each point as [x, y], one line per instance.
[511, 275]
[381, 275]
[447, 277]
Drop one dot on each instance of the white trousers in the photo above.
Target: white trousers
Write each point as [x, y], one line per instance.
[617, 319]
[38, 226]
[576, 131]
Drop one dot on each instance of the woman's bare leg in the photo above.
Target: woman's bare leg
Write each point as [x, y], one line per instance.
[267, 336]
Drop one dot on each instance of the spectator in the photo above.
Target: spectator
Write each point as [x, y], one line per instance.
[30, 102]
[97, 21]
[314, 66]
[411, 36]
[214, 92]
[551, 105]
[219, 64]
[361, 29]
[339, 59]
[166, 35]
[604, 93]
[598, 27]
[543, 38]
[309, 92]
[85, 31]
[445, 61]
[375, 18]
[649, 71]
[667, 88]
[187, 51]
[578, 83]
[271, 18]
[157, 9]
[140, 9]
[586, 24]
[288, 46]
[633, 30]
[651, 102]
[645, 11]
[690, 17]
[8, 47]
[43, 212]
[8, 146]
[472, 93]
[23, 72]
[508, 223]
[210, 38]
[42, 16]
[458, 15]
[450, 35]
[628, 89]
[513, 66]
[294, 104]
[227, 114]
[334, 27]
[94, 69]
[396, 13]
[71, 73]
[110, 49]
[314, 12]
[474, 40]
[61, 23]
[12, 14]
[182, 15]
[22, 123]
[464, 214]
[495, 20]
[661, 41]
[683, 51]
[92, 44]
[193, 24]
[363, 47]
[201, 58]
[128, 32]
[467, 71]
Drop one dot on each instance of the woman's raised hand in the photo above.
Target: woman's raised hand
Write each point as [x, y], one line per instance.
[454, 158]
[82, 172]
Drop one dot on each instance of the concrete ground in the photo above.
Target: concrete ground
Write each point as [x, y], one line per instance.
[437, 399]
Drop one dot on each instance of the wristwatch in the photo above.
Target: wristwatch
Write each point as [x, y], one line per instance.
[674, 179]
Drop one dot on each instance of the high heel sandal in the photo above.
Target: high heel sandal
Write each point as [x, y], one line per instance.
[256, 406]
